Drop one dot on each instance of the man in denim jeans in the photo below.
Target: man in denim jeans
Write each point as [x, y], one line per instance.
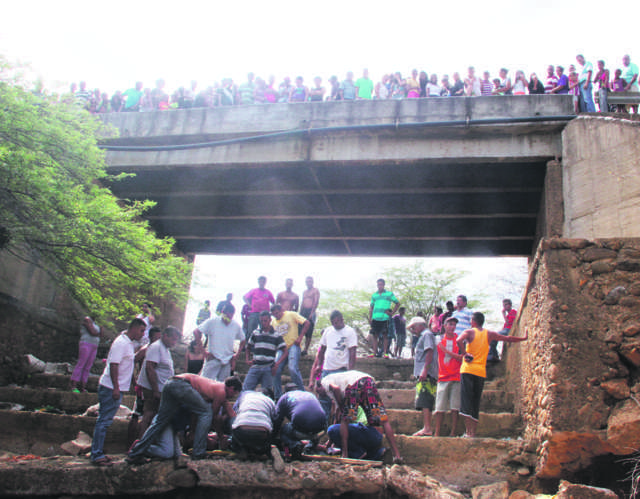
[197, 394]
[115, 379]
[264, 344]
[287, 324]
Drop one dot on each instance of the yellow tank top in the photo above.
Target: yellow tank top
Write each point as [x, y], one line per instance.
[479, 348]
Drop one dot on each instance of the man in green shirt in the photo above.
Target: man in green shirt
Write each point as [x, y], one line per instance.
[384, 305]
[364, 86]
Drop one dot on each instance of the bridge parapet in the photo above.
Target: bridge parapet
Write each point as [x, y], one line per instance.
[192, 125]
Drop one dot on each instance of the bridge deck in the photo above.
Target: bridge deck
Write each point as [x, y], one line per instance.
[382, 178]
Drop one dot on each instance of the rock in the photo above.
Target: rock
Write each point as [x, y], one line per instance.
[397, 376]
[81, 445]
[569, 451]
[631, 353]
[634, 289]
[184, 477]
[263, 476]
[309, 482]
[568, 490]
[522, 471]
[623, 428]
[498, 490]
[631, 330]
[630, 301]
[521, 494]
[411, 483]
[629, 265]
[614, 295]
[617, 388]
[602, 267]
[592, 254]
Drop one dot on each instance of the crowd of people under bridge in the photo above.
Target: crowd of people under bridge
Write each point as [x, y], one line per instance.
[338, 411]
[579, 81]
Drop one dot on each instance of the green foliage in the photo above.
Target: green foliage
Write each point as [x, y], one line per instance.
[54, 211]
[416, 288]
[419, 289]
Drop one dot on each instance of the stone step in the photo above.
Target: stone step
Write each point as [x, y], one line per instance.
[492, 400]
[499, 425]
[459, 462]
[63, 400]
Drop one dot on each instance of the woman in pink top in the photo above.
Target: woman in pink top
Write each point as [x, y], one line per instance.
[435, 322]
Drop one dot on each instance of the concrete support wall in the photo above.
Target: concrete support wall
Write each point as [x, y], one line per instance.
[36, 316]
[577, 377]
[551, 214]
[601, 184]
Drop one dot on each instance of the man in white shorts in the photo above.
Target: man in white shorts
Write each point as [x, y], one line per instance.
[448, 392]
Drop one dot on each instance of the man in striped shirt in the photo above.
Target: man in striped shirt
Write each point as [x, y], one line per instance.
[264, 343]
[463, 314]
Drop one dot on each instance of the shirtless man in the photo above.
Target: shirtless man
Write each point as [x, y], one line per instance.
[310, 300]
[287, 299]
[199, 395]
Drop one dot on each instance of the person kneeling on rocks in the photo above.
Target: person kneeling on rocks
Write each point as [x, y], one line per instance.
[200, 396]
[253, 426]
[365, 442]
[307, 419]
[353, 389]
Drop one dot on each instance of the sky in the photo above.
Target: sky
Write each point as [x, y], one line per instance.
[112, 45]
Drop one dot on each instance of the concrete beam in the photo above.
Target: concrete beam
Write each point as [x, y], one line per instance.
[357, 147]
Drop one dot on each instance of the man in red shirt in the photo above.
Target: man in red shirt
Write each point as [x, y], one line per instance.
[258, 299]
[448, 392]
[509, 314]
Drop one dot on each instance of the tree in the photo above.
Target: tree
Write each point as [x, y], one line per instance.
[420, 290]
[55, 211]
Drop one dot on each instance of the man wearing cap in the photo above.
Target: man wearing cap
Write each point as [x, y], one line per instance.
[448, 393]
[425, 369]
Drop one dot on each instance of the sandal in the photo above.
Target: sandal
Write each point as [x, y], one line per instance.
[422, 433]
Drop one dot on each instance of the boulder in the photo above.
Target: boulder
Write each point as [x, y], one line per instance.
[569, 451]
[498, 490]
[623, 429]
[568, 490]
[617, 388]
[81, 445]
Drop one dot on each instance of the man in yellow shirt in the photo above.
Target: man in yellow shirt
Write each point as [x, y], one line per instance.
[474, 345]
[286, 324]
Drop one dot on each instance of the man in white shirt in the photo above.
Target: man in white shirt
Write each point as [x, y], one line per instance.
[337, 351]
[221, 334]
[156, 370]
[115, 379]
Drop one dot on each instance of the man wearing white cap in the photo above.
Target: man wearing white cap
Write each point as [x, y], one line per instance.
[425, 369]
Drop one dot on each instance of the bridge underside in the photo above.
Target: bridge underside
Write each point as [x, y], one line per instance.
[420, 208]
[432, 177]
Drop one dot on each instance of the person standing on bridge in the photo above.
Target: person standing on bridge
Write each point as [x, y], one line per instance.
[585, 97]
[258, 299]
[473, 344]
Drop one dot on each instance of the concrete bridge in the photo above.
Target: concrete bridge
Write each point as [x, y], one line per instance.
[428, 177]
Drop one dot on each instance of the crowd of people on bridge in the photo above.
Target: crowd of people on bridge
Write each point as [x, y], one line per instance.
[339, 403]
[579, 81]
